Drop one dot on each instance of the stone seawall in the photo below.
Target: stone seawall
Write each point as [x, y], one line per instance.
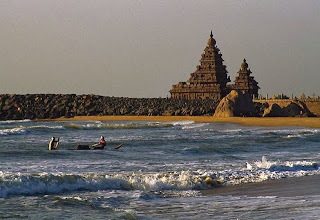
[50, 106]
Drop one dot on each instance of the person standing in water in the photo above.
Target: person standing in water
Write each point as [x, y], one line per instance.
[53, 144]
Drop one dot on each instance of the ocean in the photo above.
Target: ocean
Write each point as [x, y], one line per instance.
[164, 170]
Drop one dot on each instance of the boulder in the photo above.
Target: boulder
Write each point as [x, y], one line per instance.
[235, 104]
[260, 108]
[305, 110]
[274, 110]
[177, 113]
[292, 109]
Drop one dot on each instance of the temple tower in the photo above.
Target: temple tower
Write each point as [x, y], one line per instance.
[245, 82]
[210, 78]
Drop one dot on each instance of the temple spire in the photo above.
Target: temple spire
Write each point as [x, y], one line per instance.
[209, 79]
[245, 82]
[244, 65]
[211, 41]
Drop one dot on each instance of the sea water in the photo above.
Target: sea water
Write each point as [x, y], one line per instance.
[160, 171]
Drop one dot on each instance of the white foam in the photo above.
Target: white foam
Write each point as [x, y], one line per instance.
[182, 123]
[231, 130]
[195, 125]
[23, 129]
[264, 163]
[290, 136]
[264, 170]
[96, 125]
[44, 183]
[249, 166]
[18, 130]
[100, 125]
[15, 121]
[45, 127]
[293, 131]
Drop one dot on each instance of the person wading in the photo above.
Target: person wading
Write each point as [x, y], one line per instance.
[53, 144]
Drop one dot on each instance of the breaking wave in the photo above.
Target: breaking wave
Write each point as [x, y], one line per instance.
[15, 121]
[288, 132]
[98, 125]
[194, 126]
[55, 183]
[11, 131]
[294, 133]
[182, 122]
[30, 184]
[117, 126]
[23, 129]
[45, 127]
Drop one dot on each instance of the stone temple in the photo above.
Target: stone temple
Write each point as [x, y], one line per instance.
[245, 82]
[210, 79]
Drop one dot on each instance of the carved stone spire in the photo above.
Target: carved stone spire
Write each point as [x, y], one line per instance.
[245, 82]
[244, 65]
[209, 79]
[211, 41]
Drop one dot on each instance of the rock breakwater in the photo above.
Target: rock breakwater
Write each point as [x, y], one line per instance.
[50, 106]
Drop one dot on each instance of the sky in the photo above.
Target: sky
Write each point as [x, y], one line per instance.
[141, 48]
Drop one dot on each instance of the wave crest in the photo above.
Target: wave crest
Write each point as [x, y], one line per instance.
[15, 121]
[118, 126]
[24, 129]
[44, 183]
[11, 131]
[30, 184]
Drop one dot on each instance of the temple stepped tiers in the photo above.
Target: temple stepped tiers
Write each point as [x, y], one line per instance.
[210, 79]
[245, 82]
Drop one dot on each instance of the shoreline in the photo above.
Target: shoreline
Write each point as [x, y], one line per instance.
[286, 187]
[312, 122]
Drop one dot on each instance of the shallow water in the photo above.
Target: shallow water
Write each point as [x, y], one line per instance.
[159, 173]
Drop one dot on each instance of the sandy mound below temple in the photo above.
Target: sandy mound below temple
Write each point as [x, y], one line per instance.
[235, 104]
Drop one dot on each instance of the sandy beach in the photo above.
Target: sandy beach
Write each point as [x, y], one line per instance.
[248, 121]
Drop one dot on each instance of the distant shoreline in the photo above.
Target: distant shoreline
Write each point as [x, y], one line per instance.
[247, 121]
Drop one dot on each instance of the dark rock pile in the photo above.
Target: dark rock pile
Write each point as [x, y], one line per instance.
[50, 106]
[293, 109]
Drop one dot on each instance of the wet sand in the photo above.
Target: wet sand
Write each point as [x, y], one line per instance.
[288, 187]
[248, 121]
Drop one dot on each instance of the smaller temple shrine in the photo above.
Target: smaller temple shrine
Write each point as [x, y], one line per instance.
[209, 81]
[245, 82]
